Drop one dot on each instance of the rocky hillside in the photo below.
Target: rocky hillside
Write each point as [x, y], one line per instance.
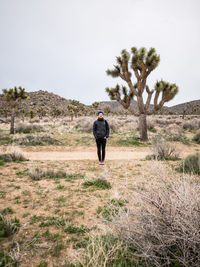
[192, 107]
[50, 101]
[41, 99]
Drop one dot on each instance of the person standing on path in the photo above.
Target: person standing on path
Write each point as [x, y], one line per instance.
[101, 133]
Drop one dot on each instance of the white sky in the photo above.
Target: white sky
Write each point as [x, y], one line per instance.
[65, 46]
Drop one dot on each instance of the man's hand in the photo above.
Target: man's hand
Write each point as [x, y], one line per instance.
[105, 137]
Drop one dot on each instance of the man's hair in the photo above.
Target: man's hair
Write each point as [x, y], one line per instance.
[100, 112]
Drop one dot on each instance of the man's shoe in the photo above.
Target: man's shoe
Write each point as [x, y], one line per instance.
[102, 163]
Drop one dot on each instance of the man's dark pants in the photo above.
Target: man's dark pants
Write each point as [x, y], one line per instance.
[101, 148]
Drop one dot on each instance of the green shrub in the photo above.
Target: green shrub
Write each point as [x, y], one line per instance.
[111, 208]
[12, 157]
[107, 250]
[129, 141]
[191, 164]
[97, 184]
[7, 210]
[6, 260]
[8, 226]
[38, 173]
[79, 230]
[196, 138]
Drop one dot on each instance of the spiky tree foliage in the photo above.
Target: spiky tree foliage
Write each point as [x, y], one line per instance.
[107, 110]
[72, 110]
[79, 107]
[141, 62]
[95, 106]
[42, 112]
[14, 96]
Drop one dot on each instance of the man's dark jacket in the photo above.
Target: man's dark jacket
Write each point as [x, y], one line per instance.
[101, 128]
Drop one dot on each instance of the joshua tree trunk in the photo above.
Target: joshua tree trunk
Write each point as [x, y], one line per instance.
[143, 127]
[12, 122]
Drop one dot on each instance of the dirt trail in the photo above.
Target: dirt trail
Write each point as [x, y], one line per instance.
[88, 153]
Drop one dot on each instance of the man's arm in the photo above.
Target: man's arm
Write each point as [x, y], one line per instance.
[107, 130]
[94, 129]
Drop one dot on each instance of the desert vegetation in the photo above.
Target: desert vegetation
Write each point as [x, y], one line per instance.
[58, 207]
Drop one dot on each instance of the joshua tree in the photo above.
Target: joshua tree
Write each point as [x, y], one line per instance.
[14, 96]
[107, 110]
[79, 107]
[42, 112]
[142, 63]
[72, 110]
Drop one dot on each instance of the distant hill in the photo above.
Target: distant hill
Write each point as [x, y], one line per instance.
[50, 101]
[192, 107]
[40, 99]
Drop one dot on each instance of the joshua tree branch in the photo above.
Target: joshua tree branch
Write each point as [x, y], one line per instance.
[149, 92]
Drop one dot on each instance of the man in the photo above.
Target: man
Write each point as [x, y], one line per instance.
[101, 133]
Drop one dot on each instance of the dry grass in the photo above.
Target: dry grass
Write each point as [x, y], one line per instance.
[164, 231]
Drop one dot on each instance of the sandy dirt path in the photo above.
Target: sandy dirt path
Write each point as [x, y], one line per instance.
[89, 153]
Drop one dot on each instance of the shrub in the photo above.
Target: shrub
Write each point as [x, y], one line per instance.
[31, 140]
[191, 125]
[164, 150]
[97, 183]
[164, 231]
[130, 141]
[79, 230]
[12, 154]
[191, 164]
[8, 260]
[28, 128]
[85, 125]
[105, 251]
[112, 208]
[196, 138]
[38, 173]
[8, 226]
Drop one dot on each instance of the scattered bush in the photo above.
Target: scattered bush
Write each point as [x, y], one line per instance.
[97, 184]
[191, 125]
[196, 138]
[129, 141]
[191, 164]
[28, 128]
[31, 140]
[38, 173]
[12, 154]
[163, 150]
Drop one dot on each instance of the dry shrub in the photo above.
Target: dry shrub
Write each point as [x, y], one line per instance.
[28, 128]
[84, 124]
[165, 228]
[12, 154]
[164, 150]
[105, 251]
[191, 164]
[192, 124]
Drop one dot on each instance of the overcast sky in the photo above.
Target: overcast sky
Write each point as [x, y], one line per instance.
[65, 46]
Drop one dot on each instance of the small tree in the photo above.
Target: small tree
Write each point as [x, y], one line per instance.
[42, 112]
[32, 114]
[72, 110]
[14, 96]
[142, 63]
[107, 110]
[95, 106]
